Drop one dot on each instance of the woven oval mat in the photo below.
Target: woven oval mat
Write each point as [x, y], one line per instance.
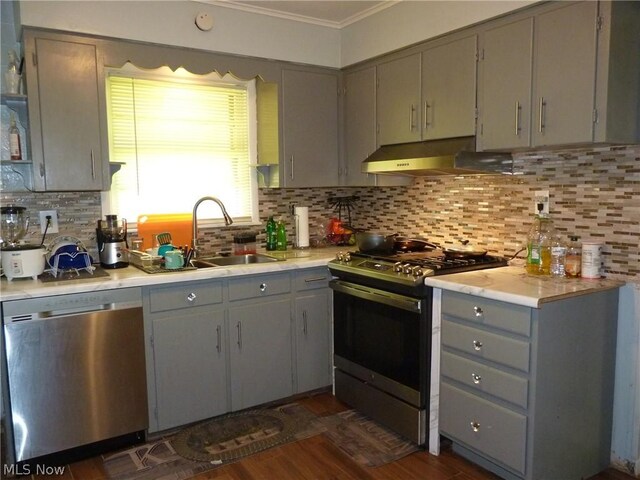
[235, 435]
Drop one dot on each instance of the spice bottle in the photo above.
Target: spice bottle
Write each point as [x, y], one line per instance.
[558, 256]
[573, 261]
[271, 234]
[281, 236]
[14, 140]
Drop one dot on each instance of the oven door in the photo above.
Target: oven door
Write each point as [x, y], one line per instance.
[383, 339]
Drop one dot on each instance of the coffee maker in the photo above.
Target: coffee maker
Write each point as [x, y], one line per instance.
[111, 236]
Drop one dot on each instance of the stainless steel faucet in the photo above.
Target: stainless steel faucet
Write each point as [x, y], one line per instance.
[194, 220]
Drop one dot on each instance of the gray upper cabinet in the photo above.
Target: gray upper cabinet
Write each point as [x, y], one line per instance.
[449, 89]
[63, 81]
[359, 124]
[544, 84]
[504, 98]
[398, 101]
[564, 74]
[310, 129]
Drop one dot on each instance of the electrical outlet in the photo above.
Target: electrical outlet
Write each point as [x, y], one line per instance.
[53, 226]
[541, 196]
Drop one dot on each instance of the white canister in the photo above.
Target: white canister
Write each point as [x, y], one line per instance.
[591, 259]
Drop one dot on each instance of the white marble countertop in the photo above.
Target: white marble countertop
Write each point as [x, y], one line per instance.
[514, 285]
[20, 288]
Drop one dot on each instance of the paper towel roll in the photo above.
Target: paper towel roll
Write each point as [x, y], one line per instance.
[302, 226]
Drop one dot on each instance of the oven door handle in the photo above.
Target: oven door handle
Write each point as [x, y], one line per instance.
[378, 296]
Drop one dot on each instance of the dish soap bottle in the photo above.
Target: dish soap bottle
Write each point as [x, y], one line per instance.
[539, 245]
[281, 236]
[271, 234]
[14, 140]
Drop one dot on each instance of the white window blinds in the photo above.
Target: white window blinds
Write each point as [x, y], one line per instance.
[180, 141]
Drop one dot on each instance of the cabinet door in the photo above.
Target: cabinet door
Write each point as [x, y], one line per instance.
[310, 129]
[565, 71]
[398, 101]
[190, 366]
[504, 98]
[260, 353]
[67, 150]
[313, 341]
[359, 124]
[449, 89]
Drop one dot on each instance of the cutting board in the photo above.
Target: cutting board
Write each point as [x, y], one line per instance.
[177, 224]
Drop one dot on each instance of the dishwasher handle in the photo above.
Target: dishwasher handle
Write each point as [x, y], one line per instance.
[65, 312]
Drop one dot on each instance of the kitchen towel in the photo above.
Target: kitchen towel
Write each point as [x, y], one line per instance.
[302, 226]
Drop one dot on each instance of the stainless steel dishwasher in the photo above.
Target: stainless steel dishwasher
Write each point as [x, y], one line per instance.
[75, 369]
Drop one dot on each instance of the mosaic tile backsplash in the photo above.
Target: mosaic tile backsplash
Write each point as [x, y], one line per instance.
[595, 193]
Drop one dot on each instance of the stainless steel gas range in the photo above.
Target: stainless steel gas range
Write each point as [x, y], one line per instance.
[382, 332]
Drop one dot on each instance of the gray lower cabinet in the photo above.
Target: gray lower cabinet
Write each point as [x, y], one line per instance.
[312, 330]
[260, 352]
[64, 81]
[186, 361]
[528, 392]
[216, 346]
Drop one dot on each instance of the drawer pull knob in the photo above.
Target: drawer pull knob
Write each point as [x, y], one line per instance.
[475, 426]
[476, 378]
[263, 287]
[478, 311]
[477, 345]
[191, 297]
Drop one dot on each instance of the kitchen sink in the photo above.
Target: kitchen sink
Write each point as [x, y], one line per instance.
[208, 262]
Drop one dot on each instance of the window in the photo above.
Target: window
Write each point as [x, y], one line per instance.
[180, 137]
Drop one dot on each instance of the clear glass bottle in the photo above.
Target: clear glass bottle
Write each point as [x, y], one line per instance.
[573, 262]
[14, 139]
[558, 256]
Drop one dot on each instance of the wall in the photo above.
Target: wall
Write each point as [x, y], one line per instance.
[171, 22]
[410, 22]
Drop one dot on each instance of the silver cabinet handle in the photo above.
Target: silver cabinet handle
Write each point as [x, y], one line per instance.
[477, 345]
[263, 287]
[291, 164]
[541, 109]
[239, 327]
[476, 378]
[304, 322]
[478, 311]
[316, 279]
[412, 112]
[426, 114]
[518, 109]
[191, 297]
[475, 426]
[93, 165]
[219, 339]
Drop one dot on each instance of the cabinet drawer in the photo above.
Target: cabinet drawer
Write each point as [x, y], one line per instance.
[483, 378]
[491, 430]
[313, 278]
[172, 297]
[506, 316]
[257, 286]
[506, 351]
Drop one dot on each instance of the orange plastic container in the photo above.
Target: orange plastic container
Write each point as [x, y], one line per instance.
[177, 224]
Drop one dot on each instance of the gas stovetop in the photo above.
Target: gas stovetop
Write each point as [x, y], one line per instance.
[408, 269]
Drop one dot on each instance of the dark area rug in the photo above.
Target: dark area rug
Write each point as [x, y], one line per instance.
[226, 439]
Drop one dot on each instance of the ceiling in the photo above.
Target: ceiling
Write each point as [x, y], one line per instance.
[330, 13]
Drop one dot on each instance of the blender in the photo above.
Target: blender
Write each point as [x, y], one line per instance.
[111, 236]
[19, 260]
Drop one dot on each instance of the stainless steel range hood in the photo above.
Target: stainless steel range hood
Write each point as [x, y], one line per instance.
[451, 156]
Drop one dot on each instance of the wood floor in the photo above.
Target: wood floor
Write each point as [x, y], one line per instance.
[318, 459]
